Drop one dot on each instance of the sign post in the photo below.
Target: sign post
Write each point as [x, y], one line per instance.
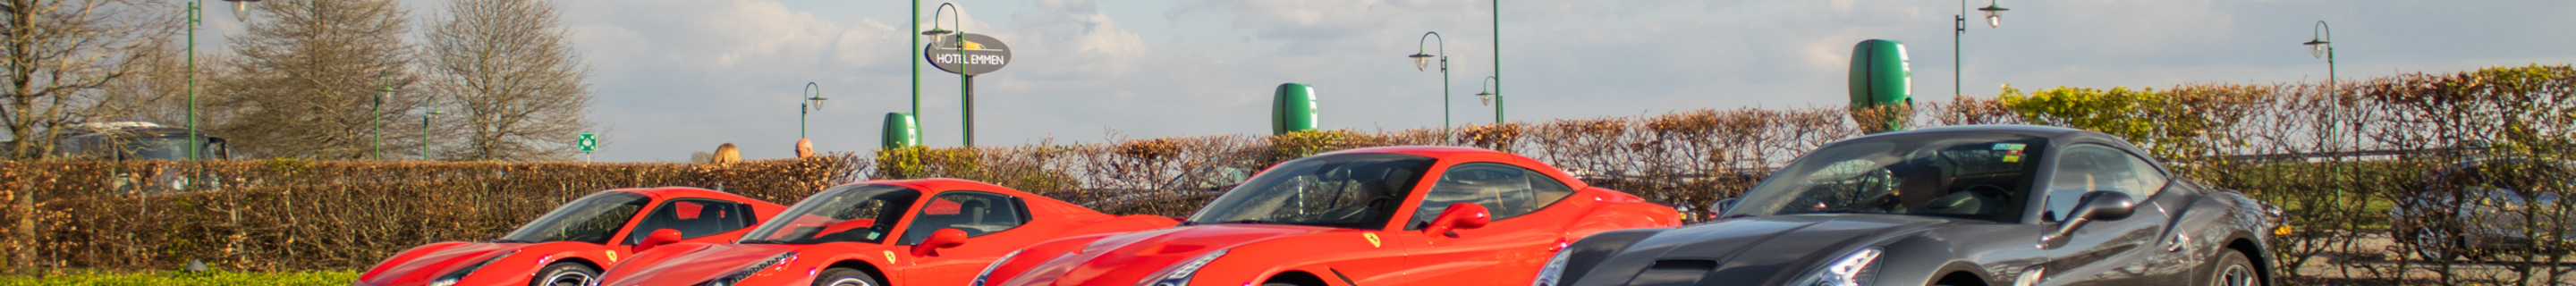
[967, 55]
[589, 142]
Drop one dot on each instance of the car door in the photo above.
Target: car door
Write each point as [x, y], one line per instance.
[1508, 249]
[987, 218]
[2106, 252]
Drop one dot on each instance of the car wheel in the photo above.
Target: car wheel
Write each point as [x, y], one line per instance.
[564, 274]
[845, 277]
[2234, 270]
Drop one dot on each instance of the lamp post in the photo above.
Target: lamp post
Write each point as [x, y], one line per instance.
[1421, 61]
[1497, 78]
[1490, 96]
[966, 82]
[385, 88]
[1958, 69]
[196, 14]
[915, 12]
[2320, 46]
[431, 104]
[813, 100]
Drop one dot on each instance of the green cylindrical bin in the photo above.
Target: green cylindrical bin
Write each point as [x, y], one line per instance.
[1881, 78]
[901, 130]
[1293, 109]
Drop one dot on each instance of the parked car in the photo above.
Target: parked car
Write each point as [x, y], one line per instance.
[1377, 216]
[875, 233]
[2481, 207]
[569, 245]
[1971, 205]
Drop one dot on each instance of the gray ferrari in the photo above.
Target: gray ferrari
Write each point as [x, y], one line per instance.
[1967, 205]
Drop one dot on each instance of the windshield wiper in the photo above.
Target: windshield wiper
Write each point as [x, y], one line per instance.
[1248, 221]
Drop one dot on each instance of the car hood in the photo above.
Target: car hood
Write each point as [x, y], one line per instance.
[435, 261]
[1126, 258]
[699, 263]
[1780, 248]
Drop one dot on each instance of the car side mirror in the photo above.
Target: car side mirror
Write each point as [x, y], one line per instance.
[2095, 206]
[1719, 207]
[943, 238]
[1459, 216]
[658, 238]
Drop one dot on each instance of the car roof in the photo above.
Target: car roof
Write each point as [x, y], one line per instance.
[1425, 151]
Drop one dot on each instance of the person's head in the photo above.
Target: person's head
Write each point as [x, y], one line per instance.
[804, 148]
[727, 154]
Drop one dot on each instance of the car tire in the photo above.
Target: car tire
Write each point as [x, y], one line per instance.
[845, 277]
[564, 274]
[2234, 269]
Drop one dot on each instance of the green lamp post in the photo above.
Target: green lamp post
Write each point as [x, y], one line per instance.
[1422, 62]
[196, 15]
[966, 84]
[1994, 18]
[431, 104]
[813, 100]
[384, 88]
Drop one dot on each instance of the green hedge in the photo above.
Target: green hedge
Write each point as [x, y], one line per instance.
[317, 278]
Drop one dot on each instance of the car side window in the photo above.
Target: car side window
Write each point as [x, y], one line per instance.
[2092, 167]
[1506, 191]
[694, 218]
[977, 213]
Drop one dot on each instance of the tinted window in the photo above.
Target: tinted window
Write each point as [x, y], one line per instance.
[591, 219]
[977, 213]
[1953, 174]
[2091, 167]
[1355, 190]
[1506, 191]
[693, 217]
[855, 213]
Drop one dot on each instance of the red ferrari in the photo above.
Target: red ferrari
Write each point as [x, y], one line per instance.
[1378, 216]
[571, 244]
[908, 232]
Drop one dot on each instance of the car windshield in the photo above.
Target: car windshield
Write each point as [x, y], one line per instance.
[861, 213]
[1359, 190]
[1952, 174]
[592, 219]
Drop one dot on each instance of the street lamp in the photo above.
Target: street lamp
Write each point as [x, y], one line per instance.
[813, 101]
[1422, 61]
[1958, 69]
[1490, 95]
[965, 82]
[430, 103]
[2319, 46]
[1496, 79]
[385, 88]
[196, 14]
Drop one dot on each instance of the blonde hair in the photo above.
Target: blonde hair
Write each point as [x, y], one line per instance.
[727, 154]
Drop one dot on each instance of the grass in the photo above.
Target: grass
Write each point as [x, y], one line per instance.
[332, 278]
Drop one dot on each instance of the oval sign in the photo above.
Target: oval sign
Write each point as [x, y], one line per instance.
[977, 54]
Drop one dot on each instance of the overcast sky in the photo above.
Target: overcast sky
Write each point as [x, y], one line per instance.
[678, 76]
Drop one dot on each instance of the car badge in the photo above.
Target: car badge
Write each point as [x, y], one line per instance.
[612, 255]
[889, 256]
[2012, 158]
[1372, 237]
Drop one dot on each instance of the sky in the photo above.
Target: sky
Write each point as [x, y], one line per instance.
[679, 76]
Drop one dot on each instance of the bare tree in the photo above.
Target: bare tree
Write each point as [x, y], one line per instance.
[56, 56]
[321, 79]
[519, 85]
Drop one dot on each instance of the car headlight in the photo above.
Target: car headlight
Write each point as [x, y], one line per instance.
[749, 269]
[1855, 269]
[1179, 274]
[460, 273]
[1555, 268]
[988, 269]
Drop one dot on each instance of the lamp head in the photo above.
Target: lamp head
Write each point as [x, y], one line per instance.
[1994, 14]
[2316, 48]
[1421, 61]
[1484, 98]
[241, 9]
[935, 32]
